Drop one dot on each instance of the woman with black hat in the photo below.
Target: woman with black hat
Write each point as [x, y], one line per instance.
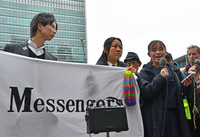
[132, 59]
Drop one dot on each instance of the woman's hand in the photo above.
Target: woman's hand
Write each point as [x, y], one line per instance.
[164, 72]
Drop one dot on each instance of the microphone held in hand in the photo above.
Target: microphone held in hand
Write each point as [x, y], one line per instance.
[163, 62]
[192, 74]
[197, 63]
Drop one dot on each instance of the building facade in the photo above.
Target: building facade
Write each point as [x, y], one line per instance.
[182, 61]
[68, 45]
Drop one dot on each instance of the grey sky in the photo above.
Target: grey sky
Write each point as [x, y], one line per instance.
[137, 22]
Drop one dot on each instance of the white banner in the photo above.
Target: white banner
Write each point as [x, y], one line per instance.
[40, 98]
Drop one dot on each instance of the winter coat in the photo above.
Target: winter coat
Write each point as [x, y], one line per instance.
[153, 92]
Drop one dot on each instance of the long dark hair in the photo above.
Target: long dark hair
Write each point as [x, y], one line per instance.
[107, 45]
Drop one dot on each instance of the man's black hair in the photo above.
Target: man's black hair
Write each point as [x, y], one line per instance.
[44, 19]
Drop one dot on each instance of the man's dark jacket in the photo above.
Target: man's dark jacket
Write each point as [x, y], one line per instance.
[22, 49]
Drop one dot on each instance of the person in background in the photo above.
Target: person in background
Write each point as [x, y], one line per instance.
[132, 59]
[161, 90]
[193, 52]
[170, 60]
[112, 52]
[43, 27]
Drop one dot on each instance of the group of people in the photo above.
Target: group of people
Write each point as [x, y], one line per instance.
[162, 89]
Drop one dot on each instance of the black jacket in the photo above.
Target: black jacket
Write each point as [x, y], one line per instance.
[103, 61]
[153, 91]
[22, 49]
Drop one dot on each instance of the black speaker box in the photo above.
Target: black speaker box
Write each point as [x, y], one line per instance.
[106, 119]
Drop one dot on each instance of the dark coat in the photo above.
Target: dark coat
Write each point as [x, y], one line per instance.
[22, 49]
[103, 61]
[190, 97]
[153, 91]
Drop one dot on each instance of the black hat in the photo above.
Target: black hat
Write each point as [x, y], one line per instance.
[132, 56]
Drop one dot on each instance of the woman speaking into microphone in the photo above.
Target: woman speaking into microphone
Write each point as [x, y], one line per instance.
[161, 90]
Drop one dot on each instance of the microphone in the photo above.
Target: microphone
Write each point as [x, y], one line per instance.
[163, 62]
[197, 63]
[192, 74]
[83, 49]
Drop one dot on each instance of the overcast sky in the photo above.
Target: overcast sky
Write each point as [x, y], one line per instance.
[137, 22]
